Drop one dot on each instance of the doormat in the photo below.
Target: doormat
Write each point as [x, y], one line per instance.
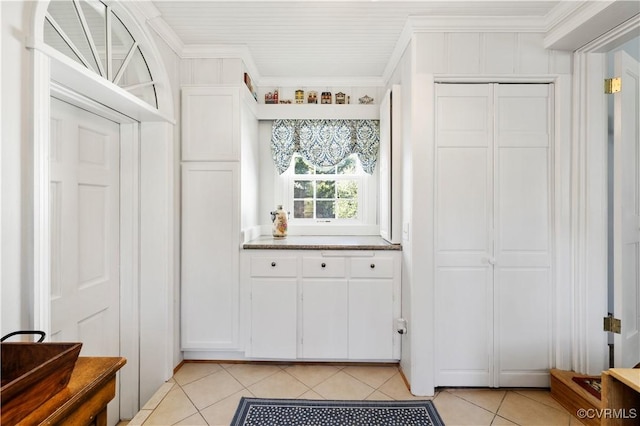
[299, 412]
[593, 385]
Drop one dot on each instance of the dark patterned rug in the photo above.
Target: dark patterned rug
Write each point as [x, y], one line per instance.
[307, 412]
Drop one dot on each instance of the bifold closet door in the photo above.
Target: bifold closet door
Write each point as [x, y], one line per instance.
[463, 238]
[523, 241]
[493, 223]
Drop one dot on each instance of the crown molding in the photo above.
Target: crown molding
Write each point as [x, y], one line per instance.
[401, 45]
[147, 12]
[621, 34]
[587, 21]
[167, 34]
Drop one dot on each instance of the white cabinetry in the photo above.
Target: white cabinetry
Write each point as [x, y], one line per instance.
[345, 304]
[274, 306]
[218, 125]
[493, 243]
[210, 123]
[210, 297]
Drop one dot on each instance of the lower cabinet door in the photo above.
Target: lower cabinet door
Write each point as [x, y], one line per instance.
[274, 316]
[371, 319]
[324, 318]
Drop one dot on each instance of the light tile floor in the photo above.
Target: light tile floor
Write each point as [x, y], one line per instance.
[208, 394]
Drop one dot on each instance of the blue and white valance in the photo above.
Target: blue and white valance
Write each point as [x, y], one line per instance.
[325, 143]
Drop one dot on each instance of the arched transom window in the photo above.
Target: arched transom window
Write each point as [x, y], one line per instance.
[90, 33]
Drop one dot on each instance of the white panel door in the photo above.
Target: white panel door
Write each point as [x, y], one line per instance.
[626, 211]
[522, 248]
[210, 256]
[85, 230]
[463, 246]
[324, 318]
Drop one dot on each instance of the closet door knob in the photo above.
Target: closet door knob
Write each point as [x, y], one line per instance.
[273, 264]
[373, 265]
[490, 260]
[324, 265]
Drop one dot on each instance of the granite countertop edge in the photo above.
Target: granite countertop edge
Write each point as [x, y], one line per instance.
[265, 243]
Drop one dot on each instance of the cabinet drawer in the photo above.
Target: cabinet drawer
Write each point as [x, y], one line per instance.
[372, 268]
[323, 267]
[273, 266]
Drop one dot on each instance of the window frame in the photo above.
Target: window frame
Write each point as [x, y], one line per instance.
[364, 224]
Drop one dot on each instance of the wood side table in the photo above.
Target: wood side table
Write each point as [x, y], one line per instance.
[84, 401]
[621, 397]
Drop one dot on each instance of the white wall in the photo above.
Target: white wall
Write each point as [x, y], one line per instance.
[402, 76]
[16, 179]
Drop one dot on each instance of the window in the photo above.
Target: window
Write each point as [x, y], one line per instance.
[322, 196]
[325, 194]
[90, 33]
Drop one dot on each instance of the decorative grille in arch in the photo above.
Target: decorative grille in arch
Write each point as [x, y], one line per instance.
[90, 33]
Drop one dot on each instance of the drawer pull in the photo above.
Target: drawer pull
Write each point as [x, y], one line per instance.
[273, 264]
[324, 265]
[373, 265]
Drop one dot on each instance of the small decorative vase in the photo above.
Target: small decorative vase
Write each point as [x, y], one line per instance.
[279, 219]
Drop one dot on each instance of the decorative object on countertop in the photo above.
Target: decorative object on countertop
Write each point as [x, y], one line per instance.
[325, 143]
[271, 98]
[325, 98]
[313, 97]
[340, 98]
[280, 225]
[365, 100]
[299, 96]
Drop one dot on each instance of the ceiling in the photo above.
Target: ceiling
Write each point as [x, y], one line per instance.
[319, 39]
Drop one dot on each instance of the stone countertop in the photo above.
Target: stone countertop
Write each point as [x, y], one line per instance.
[321, 242]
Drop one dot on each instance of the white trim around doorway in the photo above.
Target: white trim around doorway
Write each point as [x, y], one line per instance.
[589, 168]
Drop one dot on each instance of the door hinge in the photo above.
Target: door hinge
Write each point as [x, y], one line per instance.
[611, 324]
[612, 85]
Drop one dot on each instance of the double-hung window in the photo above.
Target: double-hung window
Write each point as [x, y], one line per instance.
[337, 195]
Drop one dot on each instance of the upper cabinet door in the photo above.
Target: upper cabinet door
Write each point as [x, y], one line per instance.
[210, 124]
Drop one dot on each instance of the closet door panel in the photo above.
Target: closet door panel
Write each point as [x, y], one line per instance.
[464, 310]
[523, 326]
[463, 200]
[523, 200]
[523, 246]
[464, 115]
[463, 226]
[523, 115]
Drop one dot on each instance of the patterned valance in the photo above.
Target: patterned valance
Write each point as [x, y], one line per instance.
[325, 143]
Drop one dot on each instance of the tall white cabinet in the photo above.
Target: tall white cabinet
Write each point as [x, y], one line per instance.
[493, 244]
[218, 125]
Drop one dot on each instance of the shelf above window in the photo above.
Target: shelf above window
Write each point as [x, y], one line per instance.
[318, 111]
